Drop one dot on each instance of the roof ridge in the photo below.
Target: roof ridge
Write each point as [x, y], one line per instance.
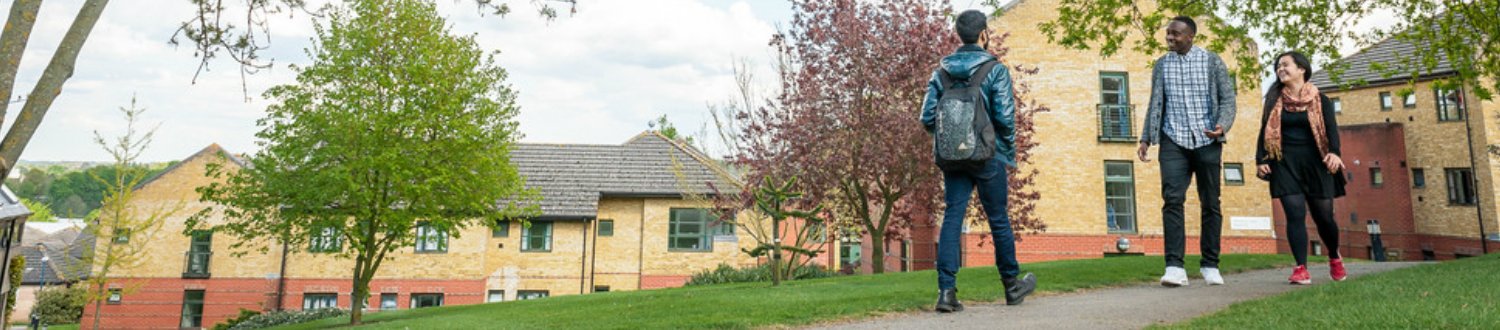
[212, 148]
[697, 155]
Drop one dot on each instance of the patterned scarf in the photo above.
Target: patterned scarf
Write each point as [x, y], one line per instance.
[1305, 100]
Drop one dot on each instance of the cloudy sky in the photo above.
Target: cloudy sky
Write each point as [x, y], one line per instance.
[596, 77]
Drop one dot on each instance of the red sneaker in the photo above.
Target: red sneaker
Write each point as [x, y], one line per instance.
[1300, 276]
[1336, 269]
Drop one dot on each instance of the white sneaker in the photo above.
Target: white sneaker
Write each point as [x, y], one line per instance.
[1174, 277]
[1211, 275]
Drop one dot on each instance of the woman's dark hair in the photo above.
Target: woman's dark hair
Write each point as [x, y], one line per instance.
[1297, 58]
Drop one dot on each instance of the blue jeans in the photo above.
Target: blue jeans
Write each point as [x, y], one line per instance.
[994, 192]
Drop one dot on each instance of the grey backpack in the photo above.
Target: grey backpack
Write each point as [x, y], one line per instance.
[964, 137]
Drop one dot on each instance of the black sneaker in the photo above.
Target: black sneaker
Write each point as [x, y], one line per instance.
[948, 301]
[1017, 290]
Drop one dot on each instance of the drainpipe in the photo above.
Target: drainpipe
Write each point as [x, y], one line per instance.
[1484, 244]
[640, 268]
[593, 257]
[583, 257]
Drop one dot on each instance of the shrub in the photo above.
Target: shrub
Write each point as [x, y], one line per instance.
[728, 274]
[245, 315]
[272, 319]
[17, 267]
[61, 305]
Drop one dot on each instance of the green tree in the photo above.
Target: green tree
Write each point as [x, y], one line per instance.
[661, 125]
[60, 304]
[73, 206]
[1466, 33]
[34, 184]
[17, 268]
[117, 221]
[39, 212]
[396, 124]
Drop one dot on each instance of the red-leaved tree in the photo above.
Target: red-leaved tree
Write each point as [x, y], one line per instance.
[853, 76]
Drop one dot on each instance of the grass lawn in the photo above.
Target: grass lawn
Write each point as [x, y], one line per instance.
[748, 305]
[1451, 295]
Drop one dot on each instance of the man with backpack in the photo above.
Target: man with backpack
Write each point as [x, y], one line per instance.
[970, 111]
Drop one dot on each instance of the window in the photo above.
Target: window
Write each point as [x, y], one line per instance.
[818, 233]
[1450, 104]
[537, 237]
[192, 309]
[1385, 101]
[1461, 186]
[421, 300]
[311, 301]
[1114, 107]
[601, 288]
[495, 296]
[200, 251]
[1377, 179]
[502, 228]
[121, 236]
[114, 296]
[690, 230]
[328, 239]
[849, 251]
[1353, 218]
[1338, 106]
[431, 239]
[1119, 196]
[388, 301]
[606, 228]
[1410, 101]
[1418, 178]
[1234, 174]
[530, 294]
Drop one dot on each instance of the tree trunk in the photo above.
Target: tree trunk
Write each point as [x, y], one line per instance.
[877, 250]
[361, 288]
[49, 86]
[361, 297]
[776, 251]
[13, 45]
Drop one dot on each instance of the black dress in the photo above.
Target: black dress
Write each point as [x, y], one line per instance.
[1301, 169]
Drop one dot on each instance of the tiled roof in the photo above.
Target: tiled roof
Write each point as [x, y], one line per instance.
[572, 177]
[1361, 67]
[65, 256]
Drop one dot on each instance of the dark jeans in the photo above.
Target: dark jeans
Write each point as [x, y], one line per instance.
[1178, 168]
[994, 192]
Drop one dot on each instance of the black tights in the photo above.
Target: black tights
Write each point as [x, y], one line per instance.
[1296, 207]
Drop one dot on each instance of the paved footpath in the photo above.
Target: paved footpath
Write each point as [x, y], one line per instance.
[1132, 307]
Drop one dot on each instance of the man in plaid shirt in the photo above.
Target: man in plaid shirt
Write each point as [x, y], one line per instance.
[1191, 109]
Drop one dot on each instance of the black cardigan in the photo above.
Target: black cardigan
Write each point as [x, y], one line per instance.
[1330, 125]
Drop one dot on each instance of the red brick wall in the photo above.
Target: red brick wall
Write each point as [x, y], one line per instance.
[1383, 146]
[157, 303]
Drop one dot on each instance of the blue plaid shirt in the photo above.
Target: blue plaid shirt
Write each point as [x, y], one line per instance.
[1190, 107]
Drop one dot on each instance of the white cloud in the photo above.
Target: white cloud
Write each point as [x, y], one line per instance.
[595, 77]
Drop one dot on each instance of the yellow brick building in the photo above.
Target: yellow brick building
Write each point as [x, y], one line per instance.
[614, 217]
[1447, 167]
[1098, 105]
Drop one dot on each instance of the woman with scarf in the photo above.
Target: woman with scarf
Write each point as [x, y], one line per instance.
[1298, 152]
